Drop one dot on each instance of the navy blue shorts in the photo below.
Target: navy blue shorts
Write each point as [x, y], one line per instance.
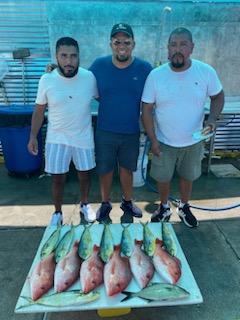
[116, 149]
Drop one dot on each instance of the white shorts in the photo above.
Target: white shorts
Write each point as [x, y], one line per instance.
[59, 156]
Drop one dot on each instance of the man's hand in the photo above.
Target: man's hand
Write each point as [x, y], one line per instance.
[155, 148]
[33, 146]
[209, 127]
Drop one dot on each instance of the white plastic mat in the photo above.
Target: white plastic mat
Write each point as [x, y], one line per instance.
[186, 281]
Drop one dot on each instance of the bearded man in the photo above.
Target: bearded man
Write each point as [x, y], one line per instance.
[173, 99]
[66, 93]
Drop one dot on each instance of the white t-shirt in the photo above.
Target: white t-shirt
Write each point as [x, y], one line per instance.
[69, 107]
[179, 99]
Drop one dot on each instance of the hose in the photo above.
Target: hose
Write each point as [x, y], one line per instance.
[175, 201]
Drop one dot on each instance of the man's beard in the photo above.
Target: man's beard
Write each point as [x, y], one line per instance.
[122, 58]
[177, 64]
[70, 74]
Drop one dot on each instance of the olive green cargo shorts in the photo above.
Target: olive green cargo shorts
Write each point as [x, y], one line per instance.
[186, 160]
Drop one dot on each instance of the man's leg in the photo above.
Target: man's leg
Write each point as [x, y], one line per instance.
[185, 187]
[106, 146]
[162, 170]
[105, 185]
[183, 210]
[126, 179]
[164, 190]
[84, 185]
[84, 179]
[129, 208]
[58, 182]
[189, 169]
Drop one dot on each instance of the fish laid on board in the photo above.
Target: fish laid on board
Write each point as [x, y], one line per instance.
[149, 240]
[41, 278]
[64, 245]
[141, 265]
[86, 244]
[126, 241]
[158, 292]
[51, 243]
[63, 299]
[117, 274]
[168, 239]
[67, 270]
[107, 244]
[167, 266]
[91, 272]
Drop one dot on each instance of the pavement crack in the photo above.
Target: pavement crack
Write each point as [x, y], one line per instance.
[228, 242]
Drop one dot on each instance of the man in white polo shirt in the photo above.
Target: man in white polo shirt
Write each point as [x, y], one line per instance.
[67, 93]
[173, 109]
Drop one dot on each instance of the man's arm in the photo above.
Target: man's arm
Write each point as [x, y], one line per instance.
[148, 124]
[37, 121]
[216, 107]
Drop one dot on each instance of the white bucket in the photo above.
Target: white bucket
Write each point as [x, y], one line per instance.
[138, 180]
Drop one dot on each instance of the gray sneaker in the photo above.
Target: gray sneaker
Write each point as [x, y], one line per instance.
[131, 209]
[88, 212]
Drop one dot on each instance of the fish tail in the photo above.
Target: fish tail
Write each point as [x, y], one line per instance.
[144, 224]
[128, 294]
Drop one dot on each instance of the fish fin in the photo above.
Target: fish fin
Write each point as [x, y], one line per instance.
[128, 295]
[124, 225]
[148, 300]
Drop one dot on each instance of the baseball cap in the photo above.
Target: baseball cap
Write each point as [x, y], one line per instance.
[122, 27]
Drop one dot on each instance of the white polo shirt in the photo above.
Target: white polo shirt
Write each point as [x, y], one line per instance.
[179, 99]
[69, 107]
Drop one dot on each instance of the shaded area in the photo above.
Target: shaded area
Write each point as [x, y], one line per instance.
[36, 191]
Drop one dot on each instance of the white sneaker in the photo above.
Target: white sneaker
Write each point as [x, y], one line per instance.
[88, 212]
[57, 219]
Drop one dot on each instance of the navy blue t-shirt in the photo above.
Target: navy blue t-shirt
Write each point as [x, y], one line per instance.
[120, 92]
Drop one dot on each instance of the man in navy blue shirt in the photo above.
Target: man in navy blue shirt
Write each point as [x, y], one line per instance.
[120, 81]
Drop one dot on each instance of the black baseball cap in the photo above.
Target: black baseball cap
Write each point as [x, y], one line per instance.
[122, 27]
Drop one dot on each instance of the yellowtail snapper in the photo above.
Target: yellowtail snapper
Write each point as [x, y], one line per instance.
[62, 299]
[158, 292]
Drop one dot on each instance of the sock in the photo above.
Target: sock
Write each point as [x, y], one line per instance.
[181, 204]
[165, 205]
[83, 204]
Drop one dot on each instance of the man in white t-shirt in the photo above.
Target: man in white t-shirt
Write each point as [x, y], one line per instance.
[173, 109]
[67, 93]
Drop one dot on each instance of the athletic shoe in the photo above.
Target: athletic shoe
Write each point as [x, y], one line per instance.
[103, 212]
[187, 217]
[161, 214]
[57, 219]
[130, 208]
[88, 212]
